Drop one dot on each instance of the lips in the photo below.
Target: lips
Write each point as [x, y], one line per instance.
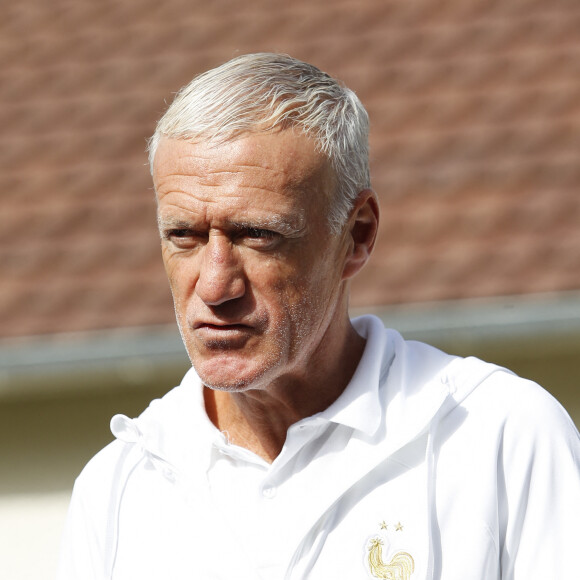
[217, 337]
[222, 329]
[219, 326]
[214, 327]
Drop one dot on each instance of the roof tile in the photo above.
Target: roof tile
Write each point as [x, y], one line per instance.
[475, 115]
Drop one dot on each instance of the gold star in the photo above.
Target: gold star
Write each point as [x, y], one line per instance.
[383, 525]
[399, 527]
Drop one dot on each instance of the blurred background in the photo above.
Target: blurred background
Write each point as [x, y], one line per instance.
[475, 145]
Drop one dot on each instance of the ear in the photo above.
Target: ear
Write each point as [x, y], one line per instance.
[361, 233]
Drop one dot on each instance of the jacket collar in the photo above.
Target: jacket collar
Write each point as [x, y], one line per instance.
[394, 394]
[359, 406]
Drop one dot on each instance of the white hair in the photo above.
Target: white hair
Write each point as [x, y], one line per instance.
[263, 92]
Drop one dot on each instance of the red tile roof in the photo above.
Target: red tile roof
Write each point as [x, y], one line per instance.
[475, 110]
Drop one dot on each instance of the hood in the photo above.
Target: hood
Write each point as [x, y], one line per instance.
[167, 430]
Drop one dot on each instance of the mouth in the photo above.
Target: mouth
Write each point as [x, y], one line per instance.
[219, 327]
[222, 335]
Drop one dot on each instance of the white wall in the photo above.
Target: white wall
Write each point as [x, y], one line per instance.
[30, 530]
[44, 443]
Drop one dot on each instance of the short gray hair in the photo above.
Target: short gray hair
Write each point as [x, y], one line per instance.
[263, 92]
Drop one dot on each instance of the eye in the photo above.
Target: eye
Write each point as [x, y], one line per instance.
[181, 233]
[256, 233]
[260, 238]
[183, 238]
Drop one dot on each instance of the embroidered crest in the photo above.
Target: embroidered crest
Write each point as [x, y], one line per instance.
[386, 557]
[400, 567]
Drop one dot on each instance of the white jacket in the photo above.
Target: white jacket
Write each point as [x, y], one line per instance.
[463, 471]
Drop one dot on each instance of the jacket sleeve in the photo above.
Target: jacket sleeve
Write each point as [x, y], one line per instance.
[80, 555]
[89, 541]
[540, 504]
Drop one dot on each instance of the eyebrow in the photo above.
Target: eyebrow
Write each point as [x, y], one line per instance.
[173, 223]
[288, 227]
[284, 226]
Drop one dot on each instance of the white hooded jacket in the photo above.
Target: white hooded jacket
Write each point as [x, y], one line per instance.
[427, 467]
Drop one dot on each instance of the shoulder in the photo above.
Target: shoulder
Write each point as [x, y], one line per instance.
[97, 482]
[90, 521]
[522, 403]
[524, 422]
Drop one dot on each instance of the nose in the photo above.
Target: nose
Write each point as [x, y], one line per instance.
[220, 275]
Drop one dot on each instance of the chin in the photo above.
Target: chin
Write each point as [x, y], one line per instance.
[233, 376]
[238, 387]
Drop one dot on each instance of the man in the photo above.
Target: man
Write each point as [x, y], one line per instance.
[303, 444]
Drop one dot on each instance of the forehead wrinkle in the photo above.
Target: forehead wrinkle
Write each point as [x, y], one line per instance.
[247, 215]
[281, 164]
[177, 215]
[178, 184]
[238, 175]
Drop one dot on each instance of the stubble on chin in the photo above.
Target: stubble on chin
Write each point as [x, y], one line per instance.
[235, 370]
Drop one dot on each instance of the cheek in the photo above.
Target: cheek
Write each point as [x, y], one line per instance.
[280, 284]
[179, 284]
[170, 267]
[179, 274]
[279, 291]
[297, 285]
[299, 302]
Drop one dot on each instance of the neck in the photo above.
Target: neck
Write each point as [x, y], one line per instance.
[258, 419]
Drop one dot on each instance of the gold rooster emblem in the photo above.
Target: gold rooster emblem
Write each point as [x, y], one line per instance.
[400, 567]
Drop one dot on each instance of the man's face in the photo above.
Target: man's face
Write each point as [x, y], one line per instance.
[256, 277]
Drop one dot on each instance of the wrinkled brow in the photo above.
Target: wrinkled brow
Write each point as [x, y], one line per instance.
[286, 225]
